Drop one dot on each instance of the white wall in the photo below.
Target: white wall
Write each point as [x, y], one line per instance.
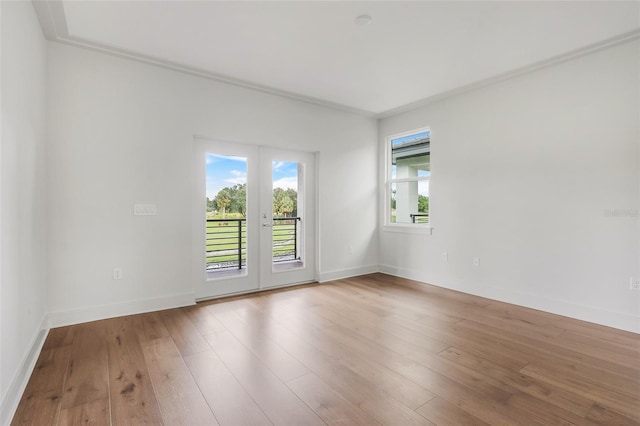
[22, 200]
[121, 132]
[523, 173]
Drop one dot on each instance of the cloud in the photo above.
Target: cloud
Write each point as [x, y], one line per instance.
[238, 177]
[286, 183]
[278, 164]
[236, 181]
[423, 187]
[214, 158]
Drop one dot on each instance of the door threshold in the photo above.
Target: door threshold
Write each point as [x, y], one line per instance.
[257, 290]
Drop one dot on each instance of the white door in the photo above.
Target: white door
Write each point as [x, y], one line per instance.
[254, 218]
[287, 217]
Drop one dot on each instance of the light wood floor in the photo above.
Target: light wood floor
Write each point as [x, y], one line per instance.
[364, 351]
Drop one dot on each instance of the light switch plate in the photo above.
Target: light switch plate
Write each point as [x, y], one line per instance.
[144, 210]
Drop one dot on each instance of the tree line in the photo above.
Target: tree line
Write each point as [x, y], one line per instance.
[234, 200]
[423, 202]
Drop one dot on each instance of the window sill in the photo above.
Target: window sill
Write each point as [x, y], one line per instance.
[425, 229]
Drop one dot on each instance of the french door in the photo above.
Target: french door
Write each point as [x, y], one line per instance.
[254, 218]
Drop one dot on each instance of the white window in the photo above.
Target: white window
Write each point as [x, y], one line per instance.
[407, 178]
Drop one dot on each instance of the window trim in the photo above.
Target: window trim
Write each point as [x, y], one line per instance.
[388, 226]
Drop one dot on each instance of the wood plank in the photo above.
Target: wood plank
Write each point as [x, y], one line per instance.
[231, 404]
[493, 373]
[604, 377]
[600, 349]
[40, 402]
[629, 406]
[328, 404]
[600, 332]
[443, 413]
[363, 350]
[87, 377]
[149, 326]
[92, 413]
[361, 390]
[50, 371]
[38, 408]
[432, 330]
[355, 388]
[401, 386]
[203, 320]
[179, 398]
[184, 333]
[398, 303]
[535, 331]
[400, 338]
[420, 367]
[274, 398]
[539, 412]
[132, 397]
[602, 415]
[61, 336]
[380, 407]
[532, 349]
[256, 338]
[420, 289]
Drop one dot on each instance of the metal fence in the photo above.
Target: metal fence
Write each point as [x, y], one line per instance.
[419, 217]
[226, 242]
[285, 239]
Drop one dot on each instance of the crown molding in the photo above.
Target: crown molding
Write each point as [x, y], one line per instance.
[53, 22]
[573, 54]
[54, 27]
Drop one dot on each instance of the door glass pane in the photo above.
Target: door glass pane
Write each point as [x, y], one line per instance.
[287, 215]
[226, 243]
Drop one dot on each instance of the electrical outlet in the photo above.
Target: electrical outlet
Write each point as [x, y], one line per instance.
[634, 284]
[117, 273]
[350, 249]
[476, 261]
[445, 256]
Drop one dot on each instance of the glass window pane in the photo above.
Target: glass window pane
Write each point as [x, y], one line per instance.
[410, 156]
[409, 202]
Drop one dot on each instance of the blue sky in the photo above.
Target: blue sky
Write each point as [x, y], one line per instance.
[285, 175]
[410, 137]
[225, 171]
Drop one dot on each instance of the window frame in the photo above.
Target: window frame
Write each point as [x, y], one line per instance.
[418, 228]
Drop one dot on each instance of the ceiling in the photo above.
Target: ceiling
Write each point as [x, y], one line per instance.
[410, 52]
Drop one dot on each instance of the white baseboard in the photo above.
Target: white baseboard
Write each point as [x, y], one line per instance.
[347, 273]
[559, 307]
[77, 316]
[18, 384]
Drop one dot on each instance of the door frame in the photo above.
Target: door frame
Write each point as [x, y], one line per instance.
[251, 281]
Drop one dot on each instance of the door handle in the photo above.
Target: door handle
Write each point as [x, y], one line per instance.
[267, 225]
